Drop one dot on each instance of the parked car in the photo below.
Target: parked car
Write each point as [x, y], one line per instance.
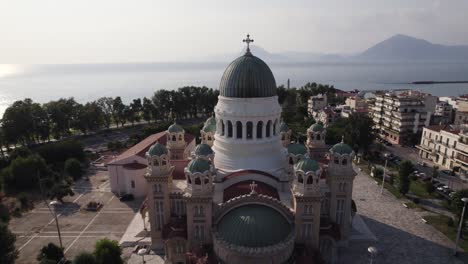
[445, 187]
[421, 175]
[388, 144]
[126, 197]
[447, 172]
[434, 182]
[422, 163]
[439, 185]
[451, 194]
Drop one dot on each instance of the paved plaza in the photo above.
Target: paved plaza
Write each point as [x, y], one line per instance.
[80, 229]
[402, 235]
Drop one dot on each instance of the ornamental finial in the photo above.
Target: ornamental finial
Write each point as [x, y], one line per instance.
[248, 40]
[342, 138]
[253, 186]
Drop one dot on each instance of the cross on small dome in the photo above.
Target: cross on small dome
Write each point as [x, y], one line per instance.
[248, 40]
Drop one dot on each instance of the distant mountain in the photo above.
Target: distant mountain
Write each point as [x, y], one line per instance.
[402, 47]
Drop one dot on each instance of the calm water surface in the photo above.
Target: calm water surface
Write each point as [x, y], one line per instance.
[86, 82]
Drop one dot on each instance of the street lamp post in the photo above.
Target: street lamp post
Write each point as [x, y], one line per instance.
[373, 252]
[464, 200]
[384, 171]
[54, 213]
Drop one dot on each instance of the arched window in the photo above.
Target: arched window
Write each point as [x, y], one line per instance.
[259, 129]
[180, 137]
[344, 161]
[268, 129]
[209, 137]
[163, 162]
[282, 137]
[189, 181]
[249, 130]
[229, 133]
[291, 160]
[173, 138]
[206, 181]
[222, 128]
[318, 137]
[239, 129]
[274, 127]
[310, 180]
[337, 161]
[195, 210]
[300, 179]
[197, 181]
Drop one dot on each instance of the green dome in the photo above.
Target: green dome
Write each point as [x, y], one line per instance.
[175, 128]
[198, 165]
[210, 125]
[157, 150]
[317, 127]
[297, 149]
[284, 127]
[247, 77]
[341, 148]
[203, 150]
[306, 165]
[254, 225]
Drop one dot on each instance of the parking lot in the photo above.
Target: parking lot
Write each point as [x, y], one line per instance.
[80, 229]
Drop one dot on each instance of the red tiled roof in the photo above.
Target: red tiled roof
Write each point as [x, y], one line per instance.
[179, 166]
[142, 147]
[243, 187]
[134, 166]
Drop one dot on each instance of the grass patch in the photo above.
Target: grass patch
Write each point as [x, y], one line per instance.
[439, 222]
[412, 205]
[393, 190]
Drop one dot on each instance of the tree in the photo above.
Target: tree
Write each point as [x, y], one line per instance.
[51, 252]
[106, 104]
[108, 252]
[84, 258]
[147, 109]
[404, 170]
[60, 188]
[22, 174]
[359, 133]
[118, 111]
[73, 168]
[61, 114]
[136, 108]
[8, 252]
[457, 206]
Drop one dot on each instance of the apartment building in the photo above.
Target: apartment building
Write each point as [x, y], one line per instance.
[446, 146]
[400, 115]
[461, 115]
[443, 114]
[316, 103]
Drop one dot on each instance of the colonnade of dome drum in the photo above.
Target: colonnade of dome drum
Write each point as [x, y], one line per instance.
[247, 130]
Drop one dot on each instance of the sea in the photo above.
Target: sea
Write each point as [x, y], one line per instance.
[87, 82]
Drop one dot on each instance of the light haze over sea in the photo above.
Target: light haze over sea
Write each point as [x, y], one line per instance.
[87, 82]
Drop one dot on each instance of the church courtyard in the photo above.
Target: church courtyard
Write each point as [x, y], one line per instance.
[402, 236]
[80, 229]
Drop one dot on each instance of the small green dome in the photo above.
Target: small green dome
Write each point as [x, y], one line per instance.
[203, 150]
[157, 150]
[342, 148]
[210, 125]
[297, 149]
[284, 127]
[317, 127]
[247, 77]
[306, 164]
[198, 165]
[175, 128]
[254, 225]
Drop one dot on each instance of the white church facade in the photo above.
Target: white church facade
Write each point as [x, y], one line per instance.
[247, 194]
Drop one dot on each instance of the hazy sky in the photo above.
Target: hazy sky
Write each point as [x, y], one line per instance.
[76, 31]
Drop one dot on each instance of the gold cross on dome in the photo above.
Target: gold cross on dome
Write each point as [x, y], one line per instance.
[253, 186]
[248, 40]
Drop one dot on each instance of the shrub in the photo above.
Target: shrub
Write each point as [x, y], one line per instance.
[8, 252]
[108, 252]
[23, 199]
[429, 187]
[23, 173]
[416, 200]
[4, 214]
[50, 252]
[450, 222]
[73, 168]
[84, 258]
[59, 152]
